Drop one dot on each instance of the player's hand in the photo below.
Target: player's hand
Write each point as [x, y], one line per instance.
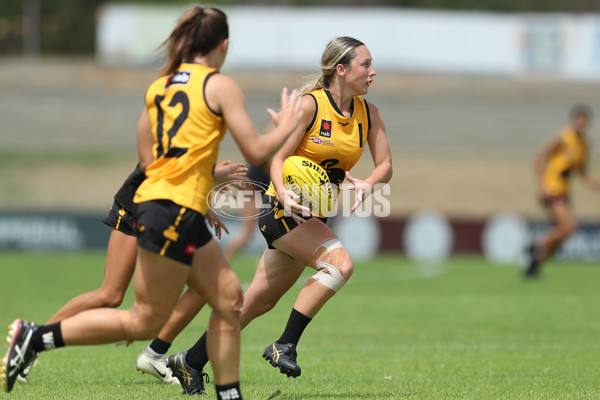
[292, 208]
[214, 221]
[290, 113]
[362, 189]
[226, 171]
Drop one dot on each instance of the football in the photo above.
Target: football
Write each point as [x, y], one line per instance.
[310, 182]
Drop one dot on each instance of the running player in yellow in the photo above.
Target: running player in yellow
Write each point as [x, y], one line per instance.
[337, 125]
[554, 164]
[120, 264]
[187, 113]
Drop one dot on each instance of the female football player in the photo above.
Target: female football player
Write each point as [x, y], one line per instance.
[120, 264]
[187, 113]
[342, 124]
[153, 359]
[554, 163]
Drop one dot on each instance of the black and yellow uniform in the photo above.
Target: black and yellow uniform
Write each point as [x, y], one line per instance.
[172, 199]
[120, 215]
[333, 141]
[569, 155]
[260, 175]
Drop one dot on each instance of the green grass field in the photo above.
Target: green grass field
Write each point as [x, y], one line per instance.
[462, 330]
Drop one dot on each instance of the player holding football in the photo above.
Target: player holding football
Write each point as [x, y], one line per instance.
[565, 153]
[187, 113]
[343, 123]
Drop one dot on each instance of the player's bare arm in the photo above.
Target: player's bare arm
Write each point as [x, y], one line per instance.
[145, 140]
[379, 147]
[224, 95]
[308, 107]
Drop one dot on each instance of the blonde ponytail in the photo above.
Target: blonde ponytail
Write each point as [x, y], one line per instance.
[339, 51]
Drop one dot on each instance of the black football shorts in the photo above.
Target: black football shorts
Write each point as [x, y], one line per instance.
[272, 223]
[121, 219]
[170, 230]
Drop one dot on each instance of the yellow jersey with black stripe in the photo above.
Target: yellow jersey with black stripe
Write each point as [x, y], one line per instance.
[186, 134]
[334, 141]
[569, 155]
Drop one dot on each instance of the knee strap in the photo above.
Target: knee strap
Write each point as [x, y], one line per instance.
[327, 260]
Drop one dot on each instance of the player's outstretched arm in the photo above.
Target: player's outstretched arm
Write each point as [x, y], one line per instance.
[225, 96]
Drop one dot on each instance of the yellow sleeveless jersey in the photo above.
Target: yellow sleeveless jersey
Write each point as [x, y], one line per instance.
[568, 156]
[186, 134]
[332, 140]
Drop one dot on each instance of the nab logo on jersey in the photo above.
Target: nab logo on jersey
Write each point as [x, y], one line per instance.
[325, 128]
[179, 78]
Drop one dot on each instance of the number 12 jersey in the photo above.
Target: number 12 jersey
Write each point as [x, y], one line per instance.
[186, 135]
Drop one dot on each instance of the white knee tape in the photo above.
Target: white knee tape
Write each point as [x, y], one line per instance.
[328, 274]
[330, 245]
[333, 279]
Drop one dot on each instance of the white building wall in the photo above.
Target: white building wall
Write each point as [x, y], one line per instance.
[275, 38]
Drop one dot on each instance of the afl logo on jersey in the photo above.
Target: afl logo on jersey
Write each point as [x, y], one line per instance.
[325, 130]
[317, 140]
[179, 78]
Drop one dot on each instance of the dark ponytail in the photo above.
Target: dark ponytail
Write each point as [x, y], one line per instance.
[198, 32]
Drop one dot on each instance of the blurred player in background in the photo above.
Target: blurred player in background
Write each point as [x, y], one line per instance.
[554, 164]
[342, 124]
[187, 113]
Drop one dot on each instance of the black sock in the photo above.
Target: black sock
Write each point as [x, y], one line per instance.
[197, 356]
[294, 328]
[231, 391]
[160, 346]
[47, 337]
